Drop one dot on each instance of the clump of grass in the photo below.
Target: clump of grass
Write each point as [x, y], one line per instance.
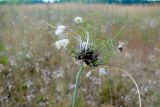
[3, 54]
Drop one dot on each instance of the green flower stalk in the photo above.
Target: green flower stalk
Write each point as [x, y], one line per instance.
[76, 85]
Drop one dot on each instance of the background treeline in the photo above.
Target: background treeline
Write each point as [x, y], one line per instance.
[113, 1]
[80, 1]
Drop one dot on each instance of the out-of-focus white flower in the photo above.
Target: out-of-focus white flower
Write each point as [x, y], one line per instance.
[29, 83]
[120, 46]
[59, 73]
[58, 98]
[30, 95]
[102, 71]
[1, 67]
[28, 55]
[153, 23]
[78, 19]
[59, 87]
[127, 98]
[71, 86]
[60, 29]
[124, 75]
[88, 74]
[61, 43]
[96, 81]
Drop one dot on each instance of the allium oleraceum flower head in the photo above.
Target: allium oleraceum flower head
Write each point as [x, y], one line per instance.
[87, 53]
[90, 50]
[89, 56]
[59, 30]
[78, 20]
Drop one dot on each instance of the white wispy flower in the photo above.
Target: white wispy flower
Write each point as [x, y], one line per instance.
[102, 71]
[61, 43]
[84, 45]
[78, 19]
[60, 29]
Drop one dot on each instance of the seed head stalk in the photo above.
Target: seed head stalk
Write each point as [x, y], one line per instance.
[138, 91]
[74, 100]
[139, 95]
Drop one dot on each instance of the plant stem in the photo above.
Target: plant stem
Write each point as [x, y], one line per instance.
[138, 91]
[76, 85]
[139, 95]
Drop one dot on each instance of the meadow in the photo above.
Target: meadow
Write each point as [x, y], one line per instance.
[33, 73]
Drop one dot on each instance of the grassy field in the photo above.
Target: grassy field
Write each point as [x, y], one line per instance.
[33, 73]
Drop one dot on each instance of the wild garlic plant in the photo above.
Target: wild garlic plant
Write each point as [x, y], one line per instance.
[86, 49]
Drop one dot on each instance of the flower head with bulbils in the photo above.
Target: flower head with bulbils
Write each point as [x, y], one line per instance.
[87, 53]
[92, 53]
[89, 57]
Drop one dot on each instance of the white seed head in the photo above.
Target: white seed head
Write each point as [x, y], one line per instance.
[61, 43]
[78, 19]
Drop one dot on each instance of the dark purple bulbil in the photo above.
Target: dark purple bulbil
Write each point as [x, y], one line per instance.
[89, 56]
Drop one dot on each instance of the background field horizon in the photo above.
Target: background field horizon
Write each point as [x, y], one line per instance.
[124, 2]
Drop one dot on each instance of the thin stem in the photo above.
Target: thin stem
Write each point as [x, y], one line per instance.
[76, 85]
[48, 24]
[139, 96]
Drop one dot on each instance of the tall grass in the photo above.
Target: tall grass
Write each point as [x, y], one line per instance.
[32, 78]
